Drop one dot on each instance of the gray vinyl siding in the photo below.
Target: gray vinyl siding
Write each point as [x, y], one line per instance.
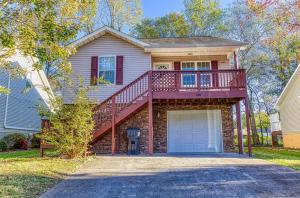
[21, 107]
[136, 62]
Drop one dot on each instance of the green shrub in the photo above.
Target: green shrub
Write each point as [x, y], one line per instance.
[3, 145]
[15, 140]
[71, 128]
[35, 142]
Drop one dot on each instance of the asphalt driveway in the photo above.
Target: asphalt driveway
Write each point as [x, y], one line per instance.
[179, 176]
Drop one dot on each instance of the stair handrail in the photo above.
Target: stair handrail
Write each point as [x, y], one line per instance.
[110, 104]
[123, 88]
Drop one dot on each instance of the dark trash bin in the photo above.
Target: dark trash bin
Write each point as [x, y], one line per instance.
[133, 135]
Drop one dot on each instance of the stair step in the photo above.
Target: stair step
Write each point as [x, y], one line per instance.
[124, 107]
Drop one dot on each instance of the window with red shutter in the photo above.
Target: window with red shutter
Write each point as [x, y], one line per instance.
[94, 70]
[119, 70]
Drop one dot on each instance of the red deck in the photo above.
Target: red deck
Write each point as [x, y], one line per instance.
[166, 85]
[199, 84]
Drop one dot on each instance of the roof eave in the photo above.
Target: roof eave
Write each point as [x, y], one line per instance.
[287, 87]
[187, 49]
[100, 32]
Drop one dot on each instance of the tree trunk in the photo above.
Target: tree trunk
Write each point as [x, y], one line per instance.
[267, 136]
[253, 124]
[261, 128]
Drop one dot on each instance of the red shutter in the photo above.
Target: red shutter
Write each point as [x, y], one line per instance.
[214, 67]
[176, 65]
[178, 75]
[94, 70]
[119, 70]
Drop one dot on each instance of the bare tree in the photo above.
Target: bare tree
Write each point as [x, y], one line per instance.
[118, 13]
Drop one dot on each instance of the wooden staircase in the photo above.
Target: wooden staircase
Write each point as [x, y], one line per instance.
[121, 105]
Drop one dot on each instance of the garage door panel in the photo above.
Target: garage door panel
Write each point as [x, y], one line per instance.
[194, 131]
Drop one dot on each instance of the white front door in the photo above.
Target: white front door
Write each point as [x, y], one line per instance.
[194, 131]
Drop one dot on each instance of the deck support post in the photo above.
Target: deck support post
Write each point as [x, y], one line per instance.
[239, 127]
[150, 114]
[235, 60]
[113, 123]
[248, 126]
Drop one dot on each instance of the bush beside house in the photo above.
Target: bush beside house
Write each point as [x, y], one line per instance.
[71, 128]
[19, 141]
[14, 141]
[3, 146]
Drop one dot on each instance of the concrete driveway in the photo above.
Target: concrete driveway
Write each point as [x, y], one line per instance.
[179, 176]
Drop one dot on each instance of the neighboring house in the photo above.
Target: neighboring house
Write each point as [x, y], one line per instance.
[18, 110]
[289, 108]
[275, 122]
[178, 91]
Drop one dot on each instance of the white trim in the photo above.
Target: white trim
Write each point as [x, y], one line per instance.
[100, 32]
[158, 63]
[6, 103]
[288, 86]
[206, 61]
[115, 76]
[223, 49]
[168, 112]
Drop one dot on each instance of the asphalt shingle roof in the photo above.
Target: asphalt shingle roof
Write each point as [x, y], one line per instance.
[200, 41]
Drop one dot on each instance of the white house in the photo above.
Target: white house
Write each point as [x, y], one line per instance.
[289, 107]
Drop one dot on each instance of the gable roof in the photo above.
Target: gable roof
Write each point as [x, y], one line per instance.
[176, 42]
[100, 32]
[288, 86]
[197, 41]
[37, 78]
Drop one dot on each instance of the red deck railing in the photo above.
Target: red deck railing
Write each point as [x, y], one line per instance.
[118, 102]
[135, 94]
[173, 81]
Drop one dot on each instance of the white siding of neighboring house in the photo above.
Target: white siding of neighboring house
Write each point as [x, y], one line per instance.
[275, 122]
[290, 108]
[136, 62]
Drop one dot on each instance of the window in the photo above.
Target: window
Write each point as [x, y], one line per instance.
[189, 80]
[107, 69]
[162, 66]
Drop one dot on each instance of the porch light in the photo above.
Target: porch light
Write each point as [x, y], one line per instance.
[158, 115]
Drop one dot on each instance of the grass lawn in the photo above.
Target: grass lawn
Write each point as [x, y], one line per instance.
[25, 174]
[280, 156]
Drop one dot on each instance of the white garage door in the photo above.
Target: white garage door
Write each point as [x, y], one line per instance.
[194, 131]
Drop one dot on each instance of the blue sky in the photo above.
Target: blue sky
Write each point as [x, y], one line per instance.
[157, 8]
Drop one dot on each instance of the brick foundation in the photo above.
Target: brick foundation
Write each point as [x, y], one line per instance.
[140, 120]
